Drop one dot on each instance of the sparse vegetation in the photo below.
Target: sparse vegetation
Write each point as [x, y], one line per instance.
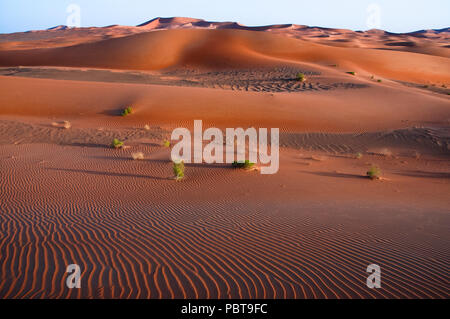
[127, 111]
[243, 164]
[359, 155]
[117, 143]
[301, 77]
[178, 170]
[379, 81]
[166, 143]
[374, 173]
[137, 156]
[352, 73]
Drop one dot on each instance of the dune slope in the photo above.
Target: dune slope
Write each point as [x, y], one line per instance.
[228, 49]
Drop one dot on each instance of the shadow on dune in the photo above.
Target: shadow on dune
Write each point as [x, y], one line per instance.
[426, 174]
[337, 175]
[128, 159]
[85, 145]
[205, 165]
[107, 173]
[121, 104]
[163, 161]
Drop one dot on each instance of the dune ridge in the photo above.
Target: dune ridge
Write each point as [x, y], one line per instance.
[434, 42]
[214, 49]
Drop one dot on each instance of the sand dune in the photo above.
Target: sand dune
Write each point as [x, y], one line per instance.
[334, 111]
[309, 231]
[214, 49]
[434, 42]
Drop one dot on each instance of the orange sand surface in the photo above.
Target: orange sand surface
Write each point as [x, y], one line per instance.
[309, 231]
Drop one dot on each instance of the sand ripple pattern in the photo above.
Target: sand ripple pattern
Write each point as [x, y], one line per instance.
[134, 236]
[269, 80]
[429, 140]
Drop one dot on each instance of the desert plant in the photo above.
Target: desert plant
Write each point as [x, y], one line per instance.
[243, 164]
[374, 173]
[301, 77]
[359, 155]
[117, 143]
[166, 143]
[137, 156]
[352, 73]
[178, 170]
[127, 111]
[379, 81]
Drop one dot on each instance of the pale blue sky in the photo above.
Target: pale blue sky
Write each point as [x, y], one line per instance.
[396, 15]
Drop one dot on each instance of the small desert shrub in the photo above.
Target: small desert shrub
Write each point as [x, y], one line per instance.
[301, 77]
[352, 73]
[137, 156]
[359, 155]
[244, 165]
[117, 143]
[178, 170]
[166, 143]
[374, 173]
[127, 111]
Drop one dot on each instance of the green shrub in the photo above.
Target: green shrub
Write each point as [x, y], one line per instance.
[374, 173]
[178, 170]
[379, 81]
[244, 165]
[166, 143]
[301, 77]
[117, 143]
[127, 111]
[352, 73]
[359, 155]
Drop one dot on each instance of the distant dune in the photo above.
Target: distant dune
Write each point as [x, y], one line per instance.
[434, 42]
[219, 49]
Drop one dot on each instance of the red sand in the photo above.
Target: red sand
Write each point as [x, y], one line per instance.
[309, 231]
